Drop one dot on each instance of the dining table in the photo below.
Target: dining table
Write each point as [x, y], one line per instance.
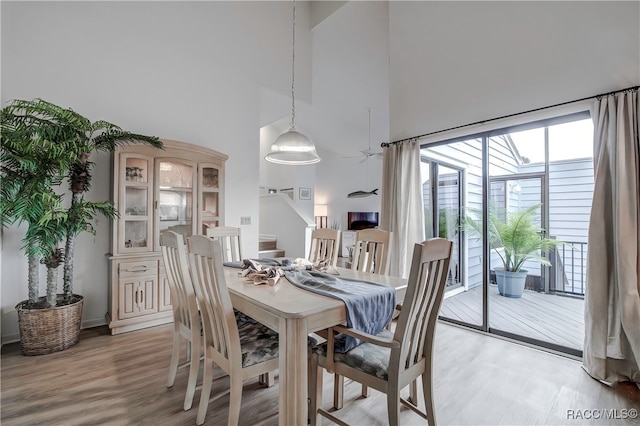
[294, 313]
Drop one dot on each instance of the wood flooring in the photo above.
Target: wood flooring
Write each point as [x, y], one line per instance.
[121, 380]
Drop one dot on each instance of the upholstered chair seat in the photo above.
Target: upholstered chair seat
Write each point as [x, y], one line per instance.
[258, 343]
[366, 357]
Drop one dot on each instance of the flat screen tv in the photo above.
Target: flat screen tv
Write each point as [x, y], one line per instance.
[362, 220]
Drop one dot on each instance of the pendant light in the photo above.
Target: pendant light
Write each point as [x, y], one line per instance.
[293, 147]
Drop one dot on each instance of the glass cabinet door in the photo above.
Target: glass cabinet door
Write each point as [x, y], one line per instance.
[175, 202]
[210, 205]
[135, 204]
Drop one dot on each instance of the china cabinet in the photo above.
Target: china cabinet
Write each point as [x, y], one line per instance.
[179, 188]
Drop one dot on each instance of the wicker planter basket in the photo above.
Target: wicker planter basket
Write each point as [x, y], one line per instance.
[43, 331]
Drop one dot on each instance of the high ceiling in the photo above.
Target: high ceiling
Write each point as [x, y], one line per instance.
[348, 76]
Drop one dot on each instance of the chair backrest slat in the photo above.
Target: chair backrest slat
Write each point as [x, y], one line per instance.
[371, 251]
[183, 298]
[229, 238]
[220, 328]
[324, 246]
[423, 297]
[432, 281]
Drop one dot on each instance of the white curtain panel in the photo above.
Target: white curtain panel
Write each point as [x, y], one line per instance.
[402, 209]
[612, 301]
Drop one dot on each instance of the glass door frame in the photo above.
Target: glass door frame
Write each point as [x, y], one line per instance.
[434, 181]
[544, 211]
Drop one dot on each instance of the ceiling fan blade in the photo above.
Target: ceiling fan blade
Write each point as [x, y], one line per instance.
[363, 160]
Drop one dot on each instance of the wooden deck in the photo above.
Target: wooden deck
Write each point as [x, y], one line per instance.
[547, 317]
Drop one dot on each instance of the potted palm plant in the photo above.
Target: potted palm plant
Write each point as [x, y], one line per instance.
[515, 239]
[41, 145]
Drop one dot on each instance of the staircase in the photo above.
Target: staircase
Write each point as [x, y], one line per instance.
[280, 216]
[268, 248]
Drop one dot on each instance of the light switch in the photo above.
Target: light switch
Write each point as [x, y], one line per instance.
[245, 220]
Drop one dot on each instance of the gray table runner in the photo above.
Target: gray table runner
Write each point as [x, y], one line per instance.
[369, 305]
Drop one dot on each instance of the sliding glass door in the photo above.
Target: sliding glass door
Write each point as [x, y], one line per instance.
[543, 170]
[510, 197]
[452, 178]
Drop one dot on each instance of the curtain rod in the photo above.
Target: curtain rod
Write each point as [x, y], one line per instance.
[386, 144]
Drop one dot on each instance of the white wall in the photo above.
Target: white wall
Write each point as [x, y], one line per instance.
[341, 176]
[350, 59]
[280, 216]
[350, 74]
[215, 73]
[454, 63]
[209, 73]
[189, 71]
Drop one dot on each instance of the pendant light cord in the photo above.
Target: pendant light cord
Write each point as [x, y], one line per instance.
[293, 70]
[293, 147]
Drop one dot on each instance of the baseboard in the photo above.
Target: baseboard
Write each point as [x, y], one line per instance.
[10, 338]
[15, 337]
[95, 322]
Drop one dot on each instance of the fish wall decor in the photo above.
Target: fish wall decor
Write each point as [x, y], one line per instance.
[361, 194]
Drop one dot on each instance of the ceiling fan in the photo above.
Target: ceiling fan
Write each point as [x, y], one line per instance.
[368, 153]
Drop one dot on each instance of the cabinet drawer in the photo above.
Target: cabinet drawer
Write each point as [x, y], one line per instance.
[132, 269]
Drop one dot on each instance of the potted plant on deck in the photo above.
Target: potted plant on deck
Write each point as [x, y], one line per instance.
[41, 145]
[515, 239]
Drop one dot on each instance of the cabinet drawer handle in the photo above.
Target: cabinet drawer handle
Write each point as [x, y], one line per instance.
[137, 270]
[137, 297]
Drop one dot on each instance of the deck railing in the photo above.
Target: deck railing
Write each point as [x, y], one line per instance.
[569, 268]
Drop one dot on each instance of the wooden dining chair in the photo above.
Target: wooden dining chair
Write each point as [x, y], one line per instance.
[371, 251]
[324, 246]
[370, 254]
[186, 318]
[230, 242]
[242, 349]
[390, 361]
